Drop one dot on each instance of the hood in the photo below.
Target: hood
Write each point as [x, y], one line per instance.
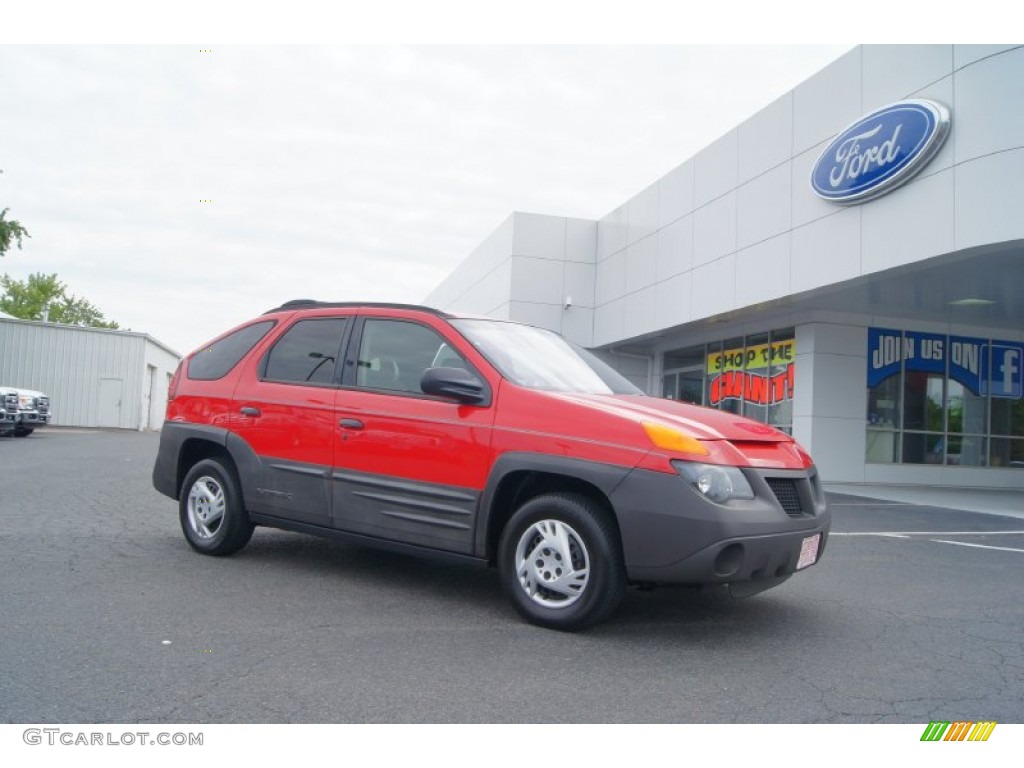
[24, 392]
[698, 421]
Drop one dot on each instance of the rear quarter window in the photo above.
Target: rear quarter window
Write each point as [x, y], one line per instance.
[215, 360]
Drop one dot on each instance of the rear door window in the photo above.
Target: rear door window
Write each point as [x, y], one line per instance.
[307, 353]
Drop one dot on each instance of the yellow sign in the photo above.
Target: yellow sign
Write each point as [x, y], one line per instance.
[752, 358]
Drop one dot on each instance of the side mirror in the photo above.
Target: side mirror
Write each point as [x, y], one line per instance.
[456, 383]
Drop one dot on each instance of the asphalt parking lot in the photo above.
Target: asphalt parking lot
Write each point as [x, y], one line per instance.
[106, 615]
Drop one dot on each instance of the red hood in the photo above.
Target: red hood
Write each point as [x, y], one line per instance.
[702, 423]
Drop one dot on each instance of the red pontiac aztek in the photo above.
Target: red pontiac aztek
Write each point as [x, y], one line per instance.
[481, 441]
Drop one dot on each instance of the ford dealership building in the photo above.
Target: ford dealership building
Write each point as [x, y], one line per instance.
[847, 264]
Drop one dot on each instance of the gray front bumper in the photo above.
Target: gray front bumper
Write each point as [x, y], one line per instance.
[34, 420]
[670, 533]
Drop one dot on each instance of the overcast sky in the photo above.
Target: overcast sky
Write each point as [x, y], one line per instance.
[338, 173]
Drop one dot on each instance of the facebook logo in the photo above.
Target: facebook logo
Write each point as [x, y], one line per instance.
[1005, 378]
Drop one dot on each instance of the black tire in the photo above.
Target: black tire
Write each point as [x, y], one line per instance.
[566, 519]
[210, 488]
[22, 432]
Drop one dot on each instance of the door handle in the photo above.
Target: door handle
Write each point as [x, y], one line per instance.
[248, 410]
[351, 424]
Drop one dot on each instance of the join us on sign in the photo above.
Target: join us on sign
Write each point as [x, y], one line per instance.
[966, 354]
[984, 367]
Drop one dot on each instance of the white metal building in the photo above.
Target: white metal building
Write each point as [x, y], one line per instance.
[885, 331]
[95, 377]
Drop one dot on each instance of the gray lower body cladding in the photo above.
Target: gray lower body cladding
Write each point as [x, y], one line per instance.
[672, 534]
[173, 436]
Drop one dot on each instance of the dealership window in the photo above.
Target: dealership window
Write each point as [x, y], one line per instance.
[884, 414]
[731, 381]
[944, 400]
[752, 375]
[783, 367]
[923, 417]
[685, 381]
[1007, 440]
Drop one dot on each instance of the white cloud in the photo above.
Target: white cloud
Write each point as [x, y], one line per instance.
[343, 173]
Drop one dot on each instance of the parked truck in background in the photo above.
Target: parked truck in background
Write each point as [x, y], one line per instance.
[8, 410]
[31, 408]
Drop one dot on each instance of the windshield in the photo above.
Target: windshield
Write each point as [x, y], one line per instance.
[538, 359]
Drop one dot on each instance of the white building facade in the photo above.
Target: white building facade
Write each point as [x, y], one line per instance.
[885, 333]
[95, 377]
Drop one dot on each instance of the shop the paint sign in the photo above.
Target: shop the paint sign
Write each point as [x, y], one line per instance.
[880, 151]
[992, 368]
[743, 373]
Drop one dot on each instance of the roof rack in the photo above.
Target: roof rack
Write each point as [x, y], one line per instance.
[313, 304]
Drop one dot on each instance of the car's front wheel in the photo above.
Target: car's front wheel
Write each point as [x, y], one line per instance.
[560, 562]
[213, 518]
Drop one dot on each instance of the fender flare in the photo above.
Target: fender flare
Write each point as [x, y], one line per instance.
[604, 477]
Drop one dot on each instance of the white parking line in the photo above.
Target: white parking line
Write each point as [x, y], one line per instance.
[906, 534]
[870, 504]
[978, 546]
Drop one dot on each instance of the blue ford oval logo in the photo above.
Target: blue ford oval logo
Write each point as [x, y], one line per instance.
[880, 151]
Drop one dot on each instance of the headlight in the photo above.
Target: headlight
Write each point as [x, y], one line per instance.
[720, 484]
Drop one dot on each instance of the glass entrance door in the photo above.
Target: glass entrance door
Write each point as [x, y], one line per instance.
[687, 386]
[691, 387]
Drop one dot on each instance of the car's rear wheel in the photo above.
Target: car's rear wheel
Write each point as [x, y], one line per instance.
[560, 562]
[22, 432]
[212, 516]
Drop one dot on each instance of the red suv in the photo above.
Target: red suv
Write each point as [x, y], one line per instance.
[484, 442]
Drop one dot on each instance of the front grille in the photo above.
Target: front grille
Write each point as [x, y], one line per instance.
[787, 493]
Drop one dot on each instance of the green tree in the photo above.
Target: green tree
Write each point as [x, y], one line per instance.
[26, 299]
[10, 231]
